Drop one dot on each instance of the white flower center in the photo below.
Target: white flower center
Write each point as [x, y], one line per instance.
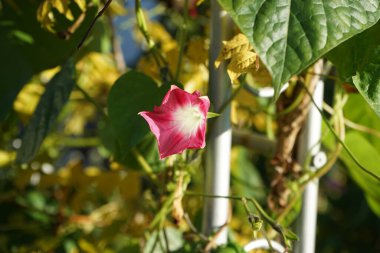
[187, 119]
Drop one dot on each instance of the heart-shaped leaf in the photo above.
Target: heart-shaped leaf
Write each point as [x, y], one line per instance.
[132, 93]
[289, 35]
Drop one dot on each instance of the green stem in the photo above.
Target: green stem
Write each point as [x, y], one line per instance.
[165, 209]
[93, 23]
[349, 152]
[182, 40]
[144, 164]
[141, 23]
[258, 207]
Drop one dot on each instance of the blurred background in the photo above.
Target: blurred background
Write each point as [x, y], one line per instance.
[80, 194]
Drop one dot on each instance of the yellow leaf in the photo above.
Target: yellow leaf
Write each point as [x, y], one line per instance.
[62, 6]
[27, 100]
[45, 14]
[240, 63]
[238, 44]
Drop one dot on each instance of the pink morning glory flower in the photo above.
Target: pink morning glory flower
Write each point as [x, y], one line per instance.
[179, 123]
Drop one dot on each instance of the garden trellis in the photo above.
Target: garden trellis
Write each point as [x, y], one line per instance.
[217, 174]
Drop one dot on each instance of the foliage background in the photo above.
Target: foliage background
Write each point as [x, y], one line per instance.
[75, 188]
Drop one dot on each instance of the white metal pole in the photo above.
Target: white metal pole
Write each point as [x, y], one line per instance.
[308, 141]
[217, 176]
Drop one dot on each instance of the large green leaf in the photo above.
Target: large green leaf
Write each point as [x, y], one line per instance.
[289, 35]
[358, 62]
[51, 103]
[132, 93]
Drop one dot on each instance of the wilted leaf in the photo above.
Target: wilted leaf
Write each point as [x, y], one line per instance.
[241, 63]
[238, 44]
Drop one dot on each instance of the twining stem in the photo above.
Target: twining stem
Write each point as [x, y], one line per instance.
[352, 124]
[140, 19]
[100, 13]
[349, 152]
[182, 39]
[338, 123]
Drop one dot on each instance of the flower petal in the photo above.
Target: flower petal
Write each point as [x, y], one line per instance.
[179, 123]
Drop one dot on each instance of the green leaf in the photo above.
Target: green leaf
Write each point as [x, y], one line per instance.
[211, 115]
[290, 235]
[289, 35]
[369, 157]
[358, 62]
[147, 147]
[374, 204]
[51, 103]
[363, 115]
[132, 93]
[367, 81]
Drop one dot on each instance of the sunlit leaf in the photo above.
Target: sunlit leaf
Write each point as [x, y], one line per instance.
[289, 35]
